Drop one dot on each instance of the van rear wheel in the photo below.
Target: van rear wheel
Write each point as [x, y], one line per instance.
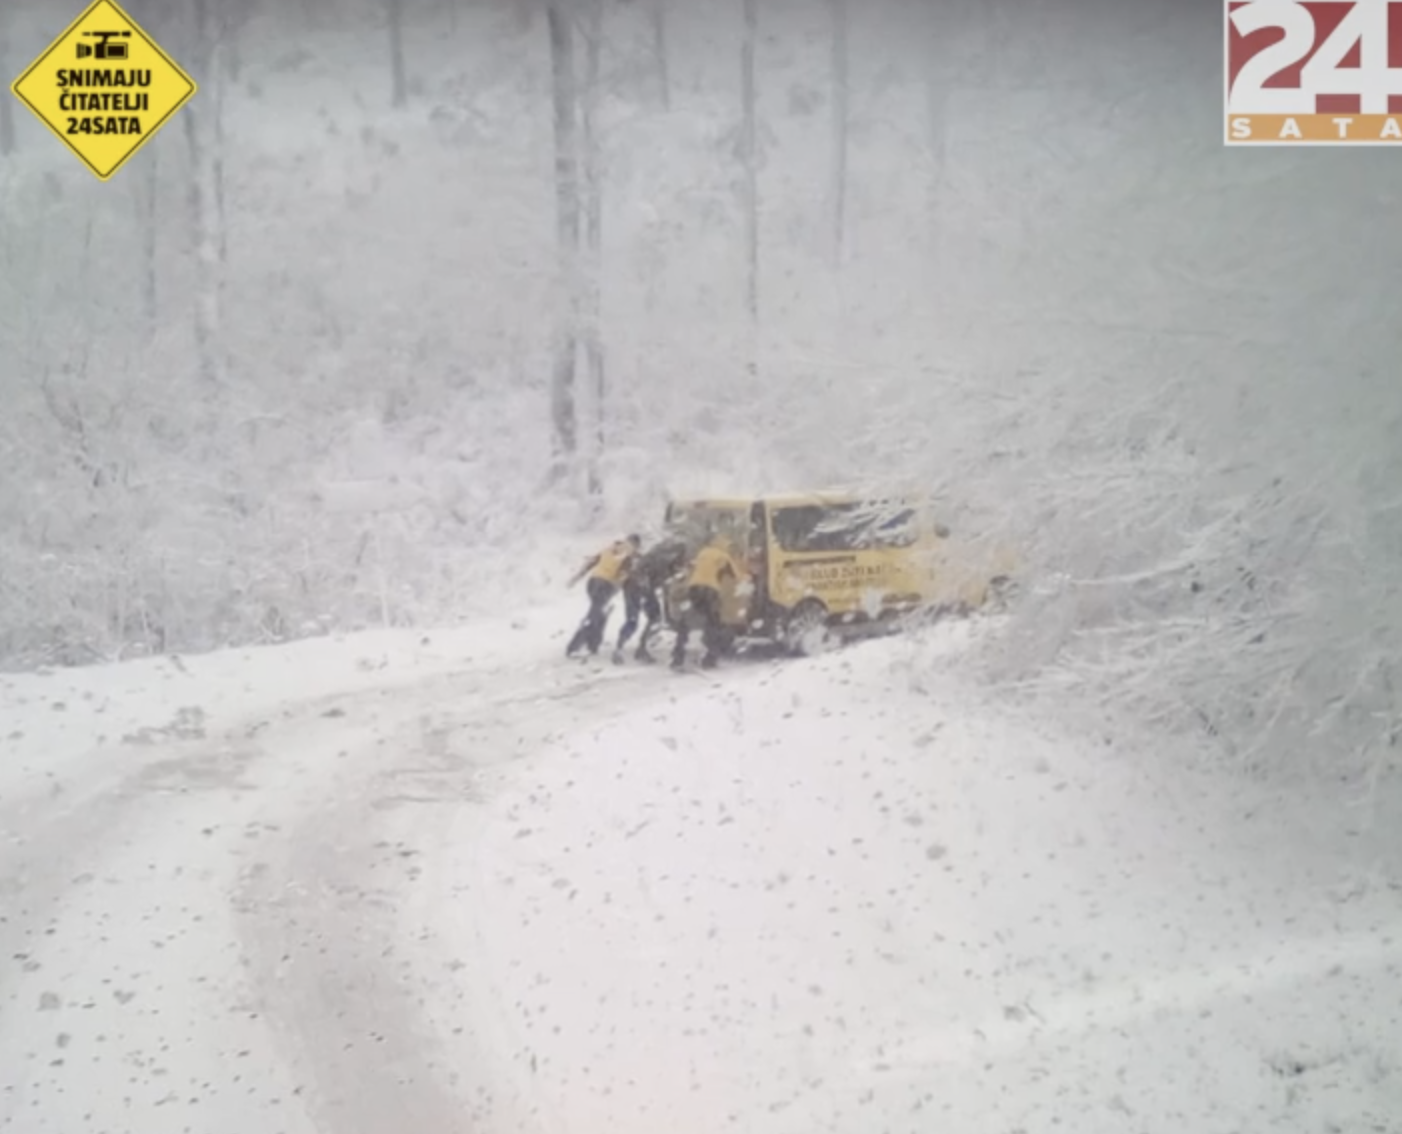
[806, 629]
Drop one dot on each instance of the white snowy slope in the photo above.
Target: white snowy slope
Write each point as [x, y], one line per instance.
[457, 884]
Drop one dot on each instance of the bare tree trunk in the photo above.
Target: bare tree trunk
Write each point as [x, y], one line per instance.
[7, 123]
[200, 134]
[563, 406]
[749, 150]
[7, 107]
[659, 49]
[399, 84]
[150, 238]
[593, 239]
[226, 34]
[839, 130]
[936, 109]
[233, 14]
[946, 46]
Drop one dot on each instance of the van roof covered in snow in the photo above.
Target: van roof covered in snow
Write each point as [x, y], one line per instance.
[791, 499]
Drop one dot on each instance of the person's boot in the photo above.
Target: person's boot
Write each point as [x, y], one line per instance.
[644, 656]
[618, 657]
[708, 662]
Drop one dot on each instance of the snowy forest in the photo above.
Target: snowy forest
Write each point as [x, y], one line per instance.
[417, 294]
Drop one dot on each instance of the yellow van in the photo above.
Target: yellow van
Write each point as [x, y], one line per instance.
[823, 563]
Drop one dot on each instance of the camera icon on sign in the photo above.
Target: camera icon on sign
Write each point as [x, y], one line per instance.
[105, 48]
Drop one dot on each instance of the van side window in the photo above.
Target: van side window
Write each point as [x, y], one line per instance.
[898, 530]
[754, 544]
[846, 527]
[810, 528]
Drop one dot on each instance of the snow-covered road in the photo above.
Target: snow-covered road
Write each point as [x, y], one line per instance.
[391, 885]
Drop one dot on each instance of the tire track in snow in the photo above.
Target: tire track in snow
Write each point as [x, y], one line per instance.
[322, 918]
[118, 926]
[181, 906]
[51, 846]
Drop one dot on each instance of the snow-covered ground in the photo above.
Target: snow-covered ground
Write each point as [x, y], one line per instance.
[449, 882]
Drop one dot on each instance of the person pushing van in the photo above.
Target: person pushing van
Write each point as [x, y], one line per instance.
[710, 569]
[649, 573]
[607, 572]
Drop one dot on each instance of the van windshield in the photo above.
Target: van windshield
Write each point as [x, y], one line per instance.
[844, 527]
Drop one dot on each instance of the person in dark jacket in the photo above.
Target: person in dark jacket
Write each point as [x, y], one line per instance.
[607, 572]
[646, 578]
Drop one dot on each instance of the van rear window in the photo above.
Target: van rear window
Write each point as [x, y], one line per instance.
[843, 527]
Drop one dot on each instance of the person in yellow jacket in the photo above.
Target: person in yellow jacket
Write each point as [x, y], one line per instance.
[711, 568]
[607, 572]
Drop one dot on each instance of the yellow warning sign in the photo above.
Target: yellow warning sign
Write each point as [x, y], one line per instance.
[104, 88]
